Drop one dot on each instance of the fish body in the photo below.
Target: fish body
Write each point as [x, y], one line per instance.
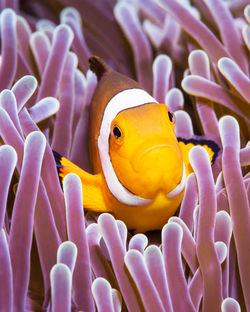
[139, 166]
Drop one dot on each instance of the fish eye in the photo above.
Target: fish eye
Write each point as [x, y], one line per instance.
[171, 116]
[117, 132]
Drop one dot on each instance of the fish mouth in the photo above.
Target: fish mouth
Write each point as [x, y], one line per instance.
[153, 148]
[180, 187]
[138, 160]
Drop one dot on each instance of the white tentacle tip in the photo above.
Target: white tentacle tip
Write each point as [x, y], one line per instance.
[8, 153]
[172, 228]
[247, 13]
[72, 178]
[99, 286]
[196, 154]
[38, 137]
[8, 13]
[28, 81]
[64, 31]
[229, 131]
[60, 272]
[230, 305]
[67, 254]
[221, 251]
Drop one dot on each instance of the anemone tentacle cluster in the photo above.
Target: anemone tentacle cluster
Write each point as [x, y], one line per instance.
[191, 55]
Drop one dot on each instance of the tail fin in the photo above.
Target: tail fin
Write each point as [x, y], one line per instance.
[98, 66]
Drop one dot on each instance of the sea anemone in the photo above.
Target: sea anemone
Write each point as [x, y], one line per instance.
[54, 256]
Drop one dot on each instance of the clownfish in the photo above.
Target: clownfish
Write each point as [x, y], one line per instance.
[140, 167]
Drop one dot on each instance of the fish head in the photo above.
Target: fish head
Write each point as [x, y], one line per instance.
[145, 153]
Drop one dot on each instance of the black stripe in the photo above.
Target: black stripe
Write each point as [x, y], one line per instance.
[58, 159]
[214, 146]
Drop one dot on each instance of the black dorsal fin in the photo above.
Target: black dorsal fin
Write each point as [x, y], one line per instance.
[98, 66]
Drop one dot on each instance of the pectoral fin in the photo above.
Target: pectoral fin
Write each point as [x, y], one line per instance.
[92, 185]
[210, 146]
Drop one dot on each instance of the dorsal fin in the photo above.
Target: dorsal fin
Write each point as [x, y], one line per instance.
[98, 66]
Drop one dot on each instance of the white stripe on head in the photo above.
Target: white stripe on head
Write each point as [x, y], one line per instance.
[125, 99]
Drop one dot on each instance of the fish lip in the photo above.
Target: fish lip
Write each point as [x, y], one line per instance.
[180, 187]
[151, 148]
[154, 147]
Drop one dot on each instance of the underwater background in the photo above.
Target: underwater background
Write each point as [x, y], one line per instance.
[193, 56]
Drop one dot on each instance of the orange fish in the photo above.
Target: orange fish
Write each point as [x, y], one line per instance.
[139, 165]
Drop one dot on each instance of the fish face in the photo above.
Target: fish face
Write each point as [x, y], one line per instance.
[144, 151]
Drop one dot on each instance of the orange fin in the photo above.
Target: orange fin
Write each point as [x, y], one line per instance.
[92, 185]
[210, 146]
